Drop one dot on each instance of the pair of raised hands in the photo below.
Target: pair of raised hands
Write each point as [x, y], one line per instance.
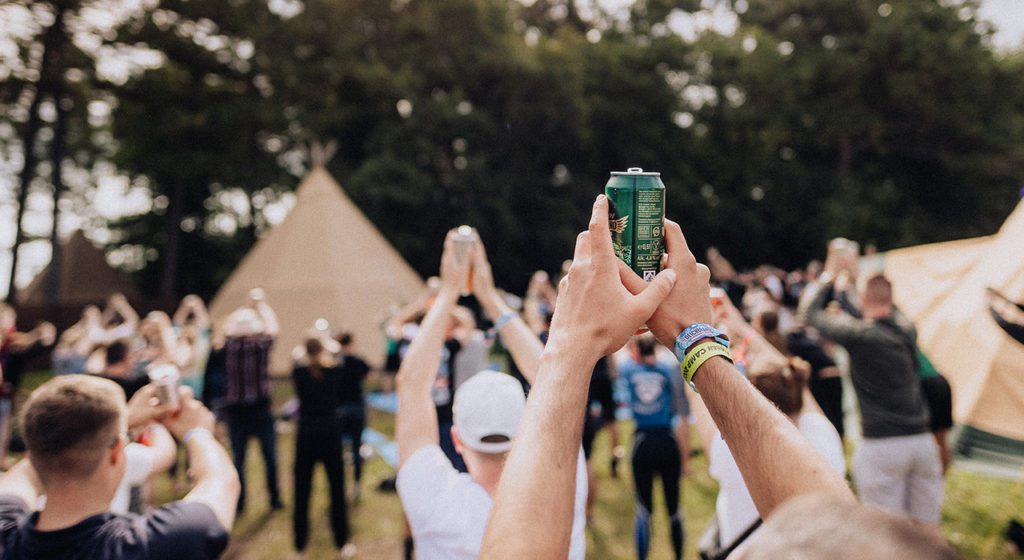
[601, 301]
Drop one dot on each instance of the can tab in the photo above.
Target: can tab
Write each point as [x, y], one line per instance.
[637, 170]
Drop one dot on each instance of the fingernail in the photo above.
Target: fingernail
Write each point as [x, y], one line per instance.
[599, 197]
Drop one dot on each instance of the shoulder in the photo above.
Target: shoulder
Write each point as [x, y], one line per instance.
[184, 530]
[12, 511]
[427, 481]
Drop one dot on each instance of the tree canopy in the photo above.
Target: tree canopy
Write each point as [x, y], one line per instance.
[796, 121]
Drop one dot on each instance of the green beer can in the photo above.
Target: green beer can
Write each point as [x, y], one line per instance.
[636, 216]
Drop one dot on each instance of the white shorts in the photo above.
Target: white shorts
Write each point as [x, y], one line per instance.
[901, 474]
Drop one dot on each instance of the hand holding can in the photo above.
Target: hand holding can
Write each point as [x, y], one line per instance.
[166, 379]
[465, 237]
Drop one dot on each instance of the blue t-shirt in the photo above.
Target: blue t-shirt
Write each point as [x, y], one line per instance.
[175, 531]
[655, 393]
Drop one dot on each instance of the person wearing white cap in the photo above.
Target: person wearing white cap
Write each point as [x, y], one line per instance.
[447, 510]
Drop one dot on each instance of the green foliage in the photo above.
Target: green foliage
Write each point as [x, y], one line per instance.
[815, 118]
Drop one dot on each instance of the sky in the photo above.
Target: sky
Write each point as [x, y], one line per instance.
[1006, 15]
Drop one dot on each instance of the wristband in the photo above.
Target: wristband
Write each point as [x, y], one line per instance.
[193, 433]
[501, 322]
[700, 354]
[695, 333]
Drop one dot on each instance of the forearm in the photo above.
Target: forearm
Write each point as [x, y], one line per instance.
[416, 421]
[776, 461]
[270, 324]
[216, 481]
[516, 335]
[22, 482]
[528, 502]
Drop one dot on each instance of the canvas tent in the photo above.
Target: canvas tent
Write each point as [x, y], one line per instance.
[324, 260]
[942, 288]
[84, 278]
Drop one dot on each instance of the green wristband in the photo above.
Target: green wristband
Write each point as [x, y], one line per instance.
[699, 354]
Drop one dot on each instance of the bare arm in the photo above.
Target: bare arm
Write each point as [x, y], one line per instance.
[535, 494]
[518, 337]
[706, 428]
[164, 447]
[270, 324]
[416, 420]
[22, 482]
[777, 462]
[216, 481]
[120, 304]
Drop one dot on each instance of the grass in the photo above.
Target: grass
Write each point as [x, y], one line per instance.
[975, 513]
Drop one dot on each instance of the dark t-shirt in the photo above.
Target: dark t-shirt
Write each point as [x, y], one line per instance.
[354, 371]
[318, 397]
[176, 531]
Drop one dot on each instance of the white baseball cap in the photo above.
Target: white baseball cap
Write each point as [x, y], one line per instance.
[487, 410]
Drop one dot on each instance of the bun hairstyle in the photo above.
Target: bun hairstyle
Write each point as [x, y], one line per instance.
[784, 386]
[317, 356]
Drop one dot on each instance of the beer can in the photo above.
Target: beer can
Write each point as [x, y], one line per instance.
[465, 237]
[636, 217]
[166, 379]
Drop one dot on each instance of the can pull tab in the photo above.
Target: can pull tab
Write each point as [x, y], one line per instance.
[635, 170]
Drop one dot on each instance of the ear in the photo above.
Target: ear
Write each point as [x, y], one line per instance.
[117, 451]
[460, 447]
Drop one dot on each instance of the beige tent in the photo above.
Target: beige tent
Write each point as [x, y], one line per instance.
[942, 288]
[325, 260]
[85, 277]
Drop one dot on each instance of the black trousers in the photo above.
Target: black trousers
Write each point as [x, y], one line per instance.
[319, 440]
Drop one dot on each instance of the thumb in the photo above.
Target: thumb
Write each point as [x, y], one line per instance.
[656, 292]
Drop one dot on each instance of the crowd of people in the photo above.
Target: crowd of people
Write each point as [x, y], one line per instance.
[490, 451]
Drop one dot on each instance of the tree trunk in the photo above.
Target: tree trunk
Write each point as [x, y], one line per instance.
[172, 252]
[55, 41]
[57, 157]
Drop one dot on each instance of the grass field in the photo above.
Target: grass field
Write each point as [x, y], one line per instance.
[976, 511]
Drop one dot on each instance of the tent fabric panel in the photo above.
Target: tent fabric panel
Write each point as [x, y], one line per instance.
[325, 259]
[85, 277]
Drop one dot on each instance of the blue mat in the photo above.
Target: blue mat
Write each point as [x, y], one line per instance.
[385, 448]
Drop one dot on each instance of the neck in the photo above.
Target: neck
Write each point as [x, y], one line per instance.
[876, 311]
[486, 473]
[66, 507]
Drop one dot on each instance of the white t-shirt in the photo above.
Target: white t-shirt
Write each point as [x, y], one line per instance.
[138, 464]
[448, 512]
[734, 507]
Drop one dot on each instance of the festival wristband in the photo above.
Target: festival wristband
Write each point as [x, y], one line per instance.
[700, 354]
[695, 333]
[501, 322]
[193, 433]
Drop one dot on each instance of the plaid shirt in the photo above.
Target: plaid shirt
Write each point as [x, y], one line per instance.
[245, 367]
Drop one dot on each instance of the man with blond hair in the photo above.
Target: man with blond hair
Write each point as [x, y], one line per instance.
[75, 431]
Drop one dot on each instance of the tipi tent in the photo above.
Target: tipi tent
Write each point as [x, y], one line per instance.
[942, 288]
[84, 278]
[324, 260]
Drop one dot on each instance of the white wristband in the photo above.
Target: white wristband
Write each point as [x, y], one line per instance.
[193, 433]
